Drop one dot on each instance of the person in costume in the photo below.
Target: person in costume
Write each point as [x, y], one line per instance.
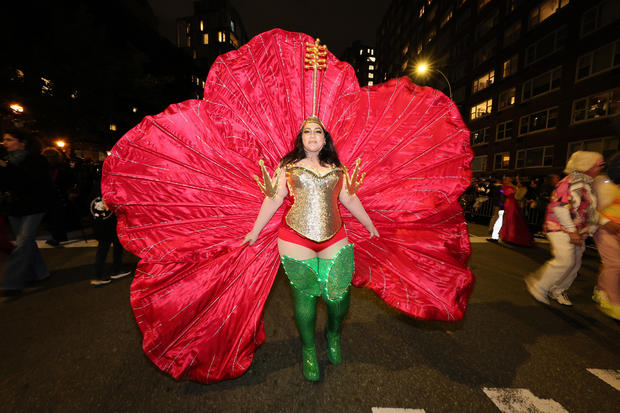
[514, 228]
[181, 184]
[312, 241]
[571, 218]
[607, 189]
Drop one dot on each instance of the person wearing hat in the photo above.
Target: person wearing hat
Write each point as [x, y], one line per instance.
[607, 189]
[571, 217]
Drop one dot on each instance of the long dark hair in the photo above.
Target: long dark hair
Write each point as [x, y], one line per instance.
[327, 155]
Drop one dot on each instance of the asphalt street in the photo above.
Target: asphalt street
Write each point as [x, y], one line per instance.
[69, 347]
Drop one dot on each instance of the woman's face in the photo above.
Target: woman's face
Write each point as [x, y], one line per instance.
[11, 144]
[313, 137]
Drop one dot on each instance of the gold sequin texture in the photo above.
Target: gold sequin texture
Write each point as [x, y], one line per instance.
[314, 213]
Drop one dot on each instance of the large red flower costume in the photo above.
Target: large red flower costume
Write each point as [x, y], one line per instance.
[181, 185]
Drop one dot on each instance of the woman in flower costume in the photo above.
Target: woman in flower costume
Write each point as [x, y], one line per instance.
[181, 184]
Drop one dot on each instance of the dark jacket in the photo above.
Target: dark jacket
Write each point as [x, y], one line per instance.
[28, 184]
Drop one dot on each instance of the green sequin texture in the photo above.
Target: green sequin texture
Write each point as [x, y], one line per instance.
[302, 274]
[339, 274]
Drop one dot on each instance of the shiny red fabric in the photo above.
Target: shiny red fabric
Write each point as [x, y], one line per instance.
[181, 185]
[514, 227]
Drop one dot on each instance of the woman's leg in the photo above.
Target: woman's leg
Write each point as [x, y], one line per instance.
[338, 306]
[301, 266]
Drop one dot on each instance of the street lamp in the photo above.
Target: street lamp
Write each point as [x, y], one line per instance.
[60, 144]
[423, 67]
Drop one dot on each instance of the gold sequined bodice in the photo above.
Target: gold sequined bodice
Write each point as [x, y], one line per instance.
[314, 213]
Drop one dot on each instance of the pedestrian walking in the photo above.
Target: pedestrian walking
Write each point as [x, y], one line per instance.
[571, 217]
[25, 178]
[607, 189]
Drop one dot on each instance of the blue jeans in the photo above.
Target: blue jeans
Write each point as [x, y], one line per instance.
[25, 262]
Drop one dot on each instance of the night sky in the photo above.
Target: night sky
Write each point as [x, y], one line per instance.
[336, 22]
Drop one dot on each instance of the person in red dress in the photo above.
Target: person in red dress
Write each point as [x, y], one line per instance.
[514, 227]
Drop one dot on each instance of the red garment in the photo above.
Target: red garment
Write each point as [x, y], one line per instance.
[286, 233]
[181, 185]
[514, 228]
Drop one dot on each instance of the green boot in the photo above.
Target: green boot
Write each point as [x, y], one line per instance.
[335, 276]
[302, 275]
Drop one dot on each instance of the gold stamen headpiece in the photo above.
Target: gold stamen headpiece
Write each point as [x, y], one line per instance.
[315, 60]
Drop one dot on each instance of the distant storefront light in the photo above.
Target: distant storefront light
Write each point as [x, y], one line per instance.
[112, 126]
[16, 108]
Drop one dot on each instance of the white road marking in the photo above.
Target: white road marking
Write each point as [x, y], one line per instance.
[74, 243]
[521, 400]
[475, 239]
[611, 377]
[395, 410]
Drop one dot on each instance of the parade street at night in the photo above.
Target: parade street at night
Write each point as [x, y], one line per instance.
[69, 347]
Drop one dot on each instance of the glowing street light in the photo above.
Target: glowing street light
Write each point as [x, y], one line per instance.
[423, 67]
[60, 144]
[16, 108]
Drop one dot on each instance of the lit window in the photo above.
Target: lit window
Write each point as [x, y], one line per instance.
[483, 82]
[371, 67]
[195, 55]
[368, 51]
[371, 59]
[501, 160]
[538, 122]
[371, 75]
[221, 37]
[370, 83]
[482, 3]
[543, 11]
[421, 12]
[482, 109]
[510, 66]
[202, 25]
[112, 126]
[205, 38]
[134, 109]
[598, 106]
[480, 136]
[361, 52]
[187, 28]
[506, 99]
[446, 18]
[47, 87]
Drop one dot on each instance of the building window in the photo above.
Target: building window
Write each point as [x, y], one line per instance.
[599, 16]
[598, 61]
[480, 136]
[482, 109]
[506, 99]
[543, 11]
[606, 146]
[482, 3]
[479, 163]
[446, 18]
[112, 127]
[361, 51]
[421, 13]
[505, 131]
[371, 75]
[512, 33]
[485, 52]
[539, 121]
[405, 49]
[430, 36]
[487, 24]
[598, 106]
[371, 67]
[483, 82]
[546, 46]
[541, 85]
[501, 160]
[371, 59]
[205, 38]
[202, 25]
[535, 157]
[221, 37]
[510, 66]
[370, 83]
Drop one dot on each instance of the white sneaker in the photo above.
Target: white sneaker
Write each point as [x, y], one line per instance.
[535, 292]
[98, 283]
[561, 298]
[120, 275]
